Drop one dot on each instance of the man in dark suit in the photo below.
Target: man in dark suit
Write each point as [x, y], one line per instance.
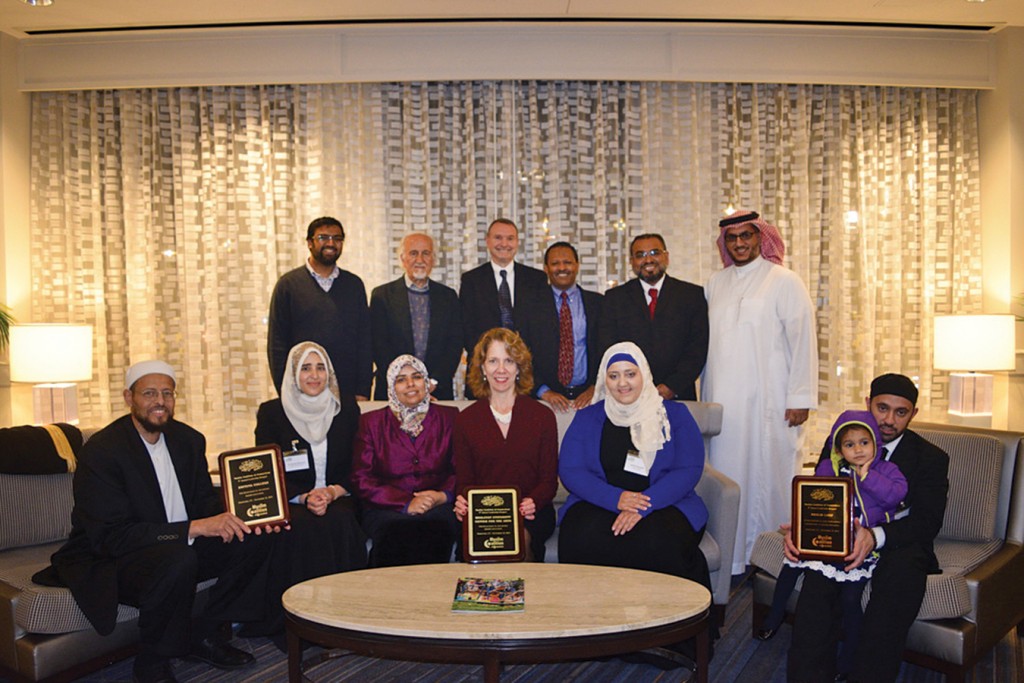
[561, 330]
[418, 316]
[905, 546]
[147, 526]
[670, 326]
[495, 294]
[320, 302]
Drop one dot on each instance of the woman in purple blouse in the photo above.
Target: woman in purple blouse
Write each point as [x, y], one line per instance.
[402, 471]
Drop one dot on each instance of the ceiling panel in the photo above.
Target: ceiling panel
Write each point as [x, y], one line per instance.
[19, 19]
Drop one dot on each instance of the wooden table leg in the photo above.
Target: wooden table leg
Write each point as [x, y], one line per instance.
[703, 652]
[294, 658]
[492, 670]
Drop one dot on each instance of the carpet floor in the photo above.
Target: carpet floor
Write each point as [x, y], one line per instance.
[738, 657]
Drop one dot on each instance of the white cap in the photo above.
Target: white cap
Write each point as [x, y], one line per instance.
[147, 367]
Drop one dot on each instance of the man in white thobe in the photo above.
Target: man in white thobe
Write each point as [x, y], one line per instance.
[763, 368]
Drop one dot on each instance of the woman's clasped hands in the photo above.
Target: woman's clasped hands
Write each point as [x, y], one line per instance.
[631, 504]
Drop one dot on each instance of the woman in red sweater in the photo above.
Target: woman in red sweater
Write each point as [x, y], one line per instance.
[507, 438]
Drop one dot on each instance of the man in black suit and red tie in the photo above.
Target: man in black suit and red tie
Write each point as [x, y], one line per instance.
[561, 331]
[494, 294]
[667, 318]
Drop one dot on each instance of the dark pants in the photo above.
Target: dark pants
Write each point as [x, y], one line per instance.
[401, 539]
[161, 582]
[897, 589]
[540, 528]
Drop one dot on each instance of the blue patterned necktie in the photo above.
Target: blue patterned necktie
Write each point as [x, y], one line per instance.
[505, 302]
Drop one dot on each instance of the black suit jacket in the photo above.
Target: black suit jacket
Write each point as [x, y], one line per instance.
[926, 468]
[675, 342]
[391, 323]
[119, 510]
[478, 295]
[540, 331]
[273, 426]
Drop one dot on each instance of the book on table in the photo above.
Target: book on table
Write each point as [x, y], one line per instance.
[489, 595]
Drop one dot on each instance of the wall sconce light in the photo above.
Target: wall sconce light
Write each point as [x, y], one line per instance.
[966, 344]
[53, 357]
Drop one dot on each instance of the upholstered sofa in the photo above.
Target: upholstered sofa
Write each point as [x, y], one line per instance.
[44, 636]
[721, 494]
[979, 596]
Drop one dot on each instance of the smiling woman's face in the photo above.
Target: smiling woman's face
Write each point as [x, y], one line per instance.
[410, 386]
[624, 381]
[313, 375]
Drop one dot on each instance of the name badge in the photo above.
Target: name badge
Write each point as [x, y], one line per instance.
[635, 464]
[295, 461]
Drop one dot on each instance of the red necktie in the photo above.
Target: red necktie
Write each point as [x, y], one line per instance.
[654, 301]
[565, 342]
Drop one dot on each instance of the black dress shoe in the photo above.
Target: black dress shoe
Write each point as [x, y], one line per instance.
[159, 672]
[220, 655]
[766, 633]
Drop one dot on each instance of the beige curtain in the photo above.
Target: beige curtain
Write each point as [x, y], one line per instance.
[164, 217]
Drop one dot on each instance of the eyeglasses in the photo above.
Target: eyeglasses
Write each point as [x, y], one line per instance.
[323, 239]
[745, 236]
[152, 394]
[650, 252]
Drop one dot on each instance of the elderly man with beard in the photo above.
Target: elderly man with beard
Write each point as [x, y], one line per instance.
[667, 318]
[418, 316]
[147, 526]
[320, 302]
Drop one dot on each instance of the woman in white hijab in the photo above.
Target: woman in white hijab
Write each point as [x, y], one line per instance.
[630, 463]
[314, 424]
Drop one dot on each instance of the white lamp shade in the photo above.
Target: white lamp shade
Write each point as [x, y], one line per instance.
[974, 342]
[47, 353]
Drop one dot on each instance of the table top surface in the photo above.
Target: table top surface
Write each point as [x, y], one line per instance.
[562, 600]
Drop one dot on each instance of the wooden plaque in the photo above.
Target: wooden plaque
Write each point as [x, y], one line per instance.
[823, 517]
[493, 528]
[252, 480]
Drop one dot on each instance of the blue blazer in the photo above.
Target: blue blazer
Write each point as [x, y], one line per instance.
[674, 475]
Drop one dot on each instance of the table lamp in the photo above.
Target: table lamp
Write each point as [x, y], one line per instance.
[53, 357]
[967, 344]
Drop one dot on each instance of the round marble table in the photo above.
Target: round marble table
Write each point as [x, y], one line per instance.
[572, 612]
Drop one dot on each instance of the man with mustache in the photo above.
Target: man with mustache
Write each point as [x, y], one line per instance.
[147, 526]
[905, 545]
[419, 316]
[667, 318]
[320, 302]
[560, 327]
[763, 368]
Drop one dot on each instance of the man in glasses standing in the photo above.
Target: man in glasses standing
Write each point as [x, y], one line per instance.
[667, 318]
[320, 302]
[763, 368]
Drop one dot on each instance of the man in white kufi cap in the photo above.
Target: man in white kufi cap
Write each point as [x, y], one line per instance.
[147, 526]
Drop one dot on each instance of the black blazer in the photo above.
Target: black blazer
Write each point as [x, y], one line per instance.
[478, 295]
[926, 468]
[540, 331]
[119, 510]
[273, 426]
[675, 342]
[391, 323]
